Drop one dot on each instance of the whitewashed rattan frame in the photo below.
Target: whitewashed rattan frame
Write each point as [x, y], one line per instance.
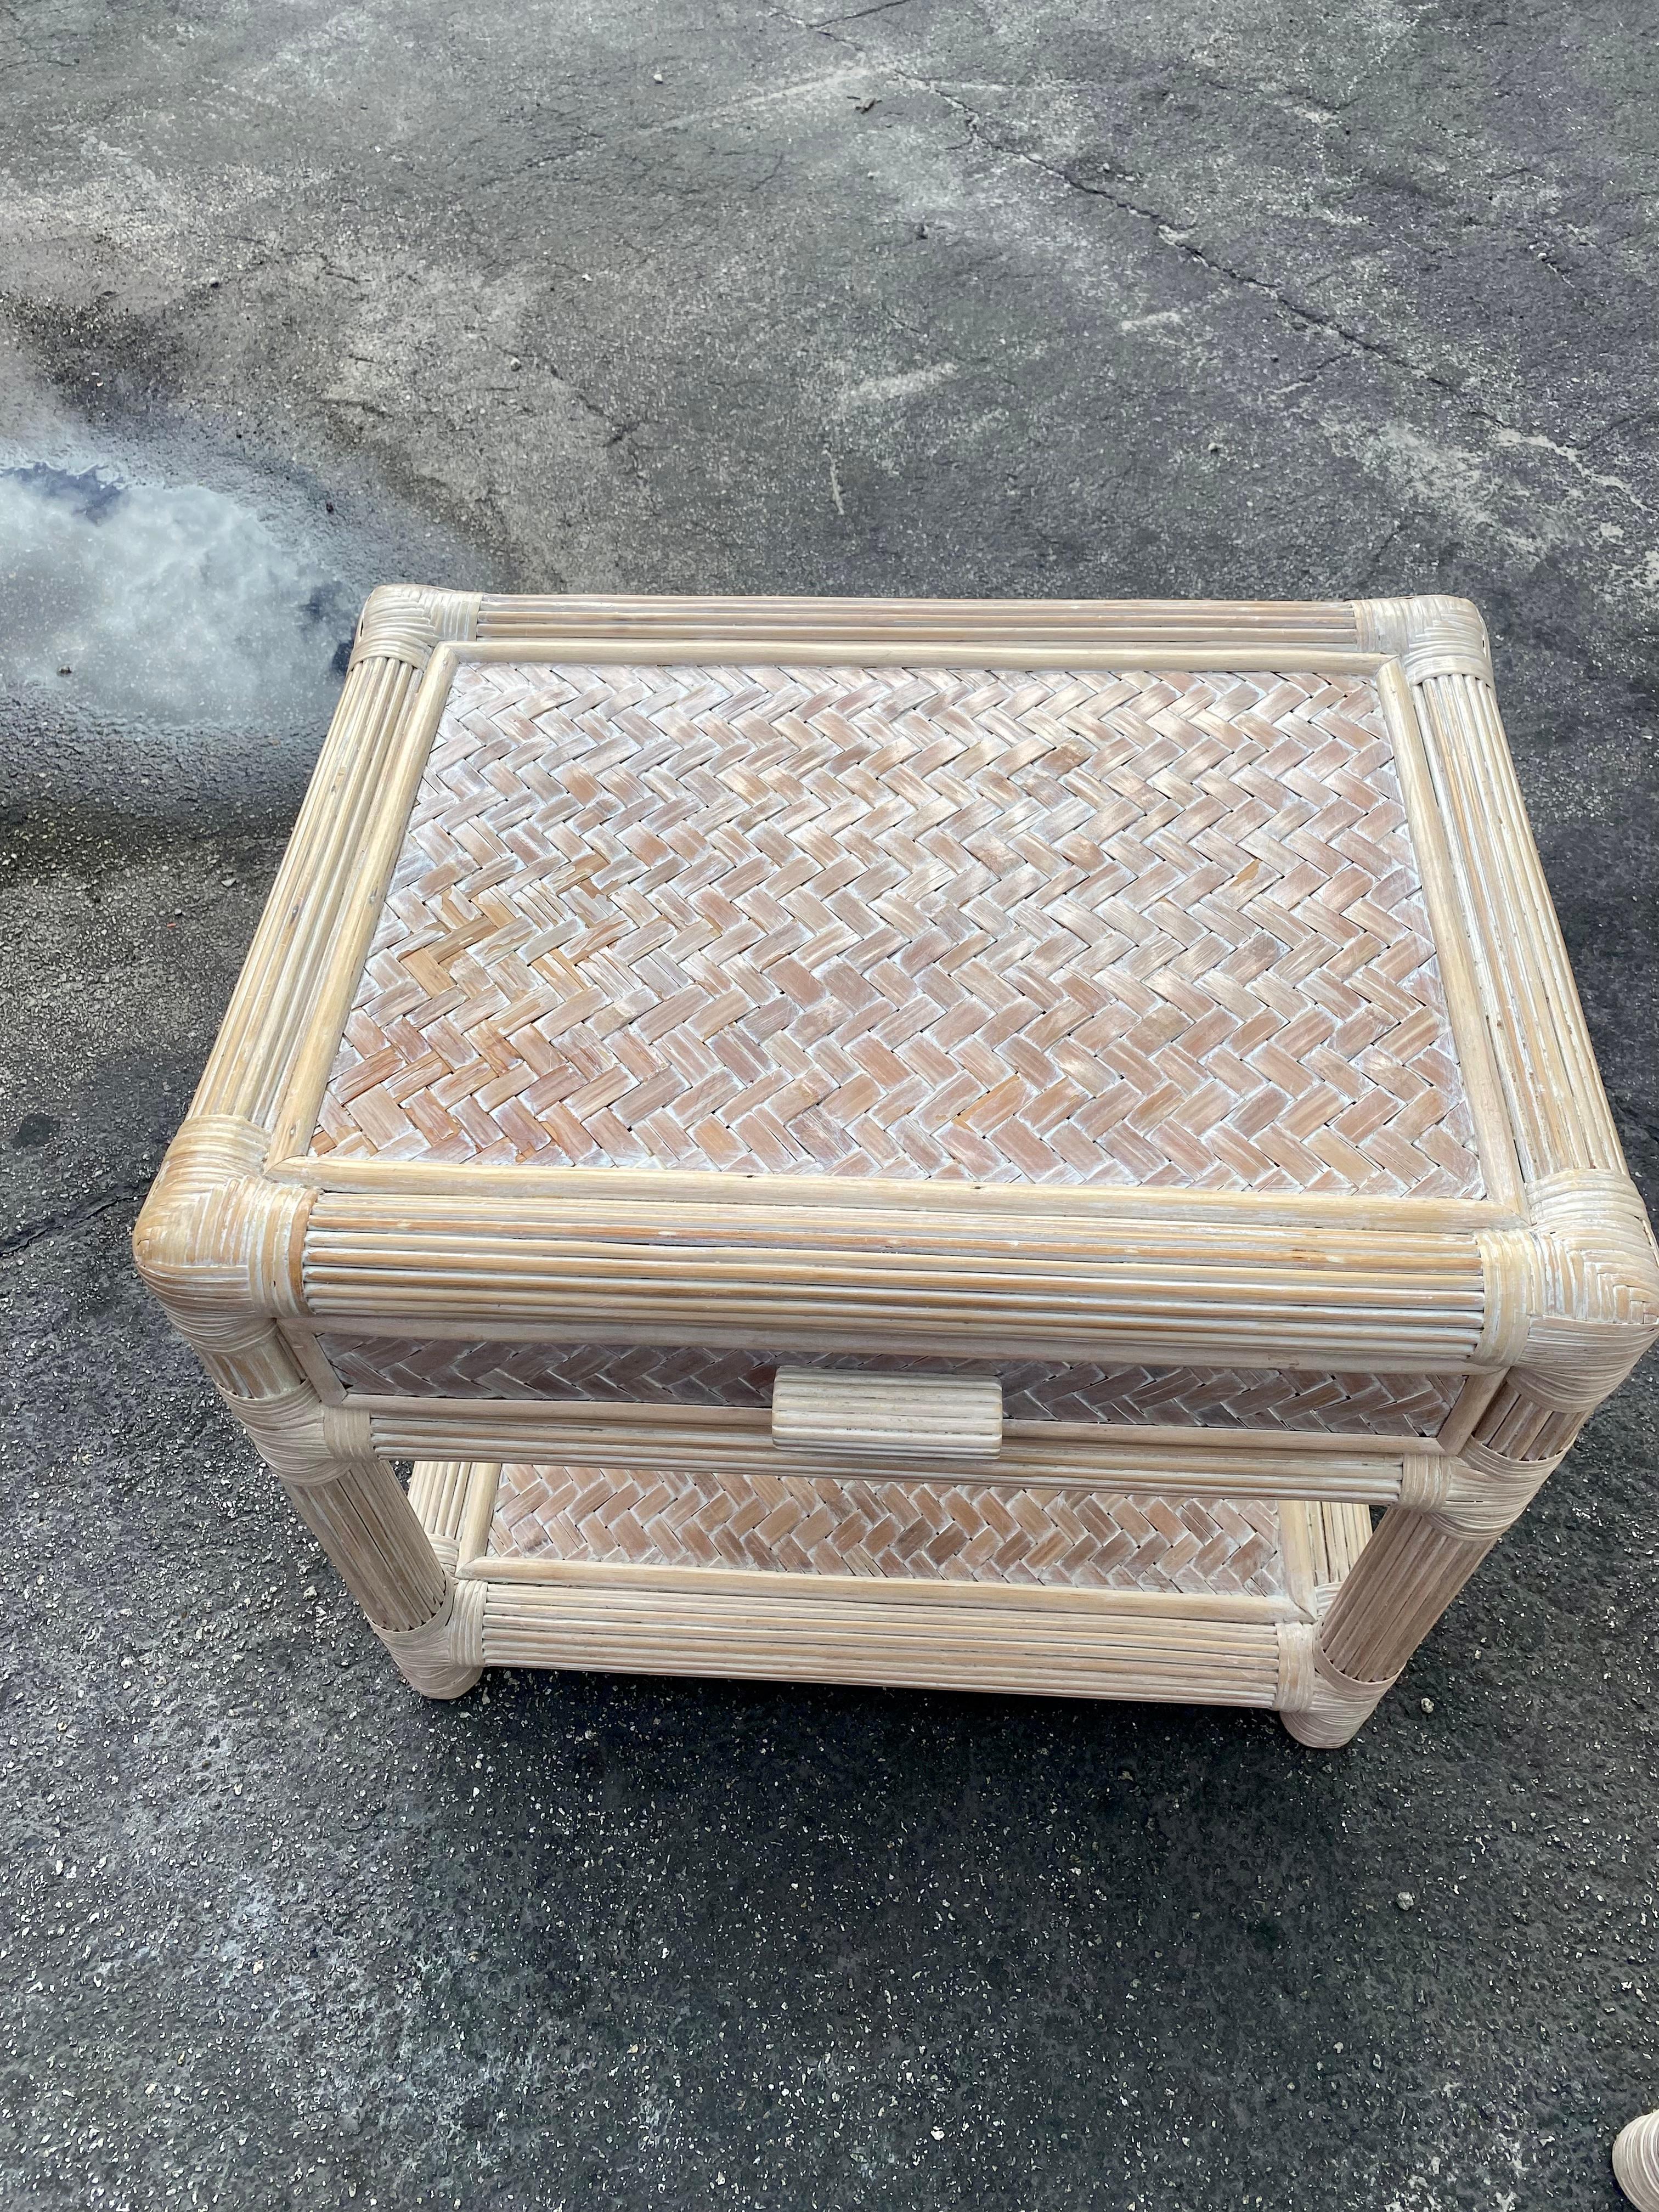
[1543, 1293]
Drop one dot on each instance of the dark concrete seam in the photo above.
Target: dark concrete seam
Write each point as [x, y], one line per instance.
[1179, 241]
[75, 1217]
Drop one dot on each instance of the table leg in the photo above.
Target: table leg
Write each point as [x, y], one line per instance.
[1399, 1585]
[358, 1511]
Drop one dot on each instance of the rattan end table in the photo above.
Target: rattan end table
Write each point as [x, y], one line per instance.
[937, 1143]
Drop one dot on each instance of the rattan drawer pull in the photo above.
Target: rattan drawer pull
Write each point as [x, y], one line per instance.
[898, 1416]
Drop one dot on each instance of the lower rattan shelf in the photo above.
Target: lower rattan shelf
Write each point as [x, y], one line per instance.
[897, 1578]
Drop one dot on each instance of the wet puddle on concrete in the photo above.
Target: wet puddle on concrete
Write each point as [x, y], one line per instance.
[170, 604]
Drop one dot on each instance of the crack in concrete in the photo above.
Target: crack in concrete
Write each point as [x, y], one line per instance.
[618, 428]
[72, 1217]
[1299, 99]
[857, 14]
[721, 112]
[1180, 241]
[1312, 376]
[1375, 561]
[1622, 422]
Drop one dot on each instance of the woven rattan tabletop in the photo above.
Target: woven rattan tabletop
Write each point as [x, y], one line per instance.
[1045, 926]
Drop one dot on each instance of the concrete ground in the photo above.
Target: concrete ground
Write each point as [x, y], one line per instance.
[1247, 298]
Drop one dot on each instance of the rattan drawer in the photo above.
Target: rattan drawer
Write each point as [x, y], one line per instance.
[365, 1369]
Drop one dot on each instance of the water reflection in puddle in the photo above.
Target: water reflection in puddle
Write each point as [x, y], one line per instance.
[166, 605]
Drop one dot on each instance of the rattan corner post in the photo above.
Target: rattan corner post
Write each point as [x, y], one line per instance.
[925, 1143]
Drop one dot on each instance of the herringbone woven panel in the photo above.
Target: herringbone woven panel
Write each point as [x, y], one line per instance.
[1057, 927]
[916, 1532]
[1033, 1389]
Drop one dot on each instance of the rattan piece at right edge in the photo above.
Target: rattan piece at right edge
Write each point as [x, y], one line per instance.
[1636, 2162]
